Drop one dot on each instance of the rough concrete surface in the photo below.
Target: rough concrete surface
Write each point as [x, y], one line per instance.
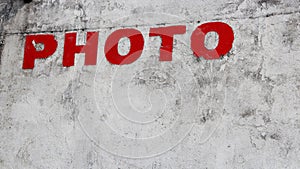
[241, 111]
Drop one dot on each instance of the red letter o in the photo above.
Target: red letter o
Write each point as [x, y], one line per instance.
[111, 46]
[226, 37]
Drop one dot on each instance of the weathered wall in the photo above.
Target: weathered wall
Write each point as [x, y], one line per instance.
[242, 111]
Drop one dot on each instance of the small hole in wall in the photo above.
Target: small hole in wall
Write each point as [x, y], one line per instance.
[27, 1]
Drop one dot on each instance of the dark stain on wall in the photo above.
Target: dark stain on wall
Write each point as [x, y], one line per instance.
[269, 2]
[8, 9]
[1, 46]
[27, 1]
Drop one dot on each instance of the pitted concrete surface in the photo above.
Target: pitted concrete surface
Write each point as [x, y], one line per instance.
[241, 111]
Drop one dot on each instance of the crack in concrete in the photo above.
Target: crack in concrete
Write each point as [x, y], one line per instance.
[261, 16]
[147, 25]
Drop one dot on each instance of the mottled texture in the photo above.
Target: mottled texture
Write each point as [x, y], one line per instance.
[243, 110]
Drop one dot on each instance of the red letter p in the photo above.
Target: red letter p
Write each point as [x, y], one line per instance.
[31, 53]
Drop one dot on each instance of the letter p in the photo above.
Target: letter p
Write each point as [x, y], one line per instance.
[31, 53]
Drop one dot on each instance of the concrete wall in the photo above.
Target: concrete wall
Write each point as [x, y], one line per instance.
[242, 111]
